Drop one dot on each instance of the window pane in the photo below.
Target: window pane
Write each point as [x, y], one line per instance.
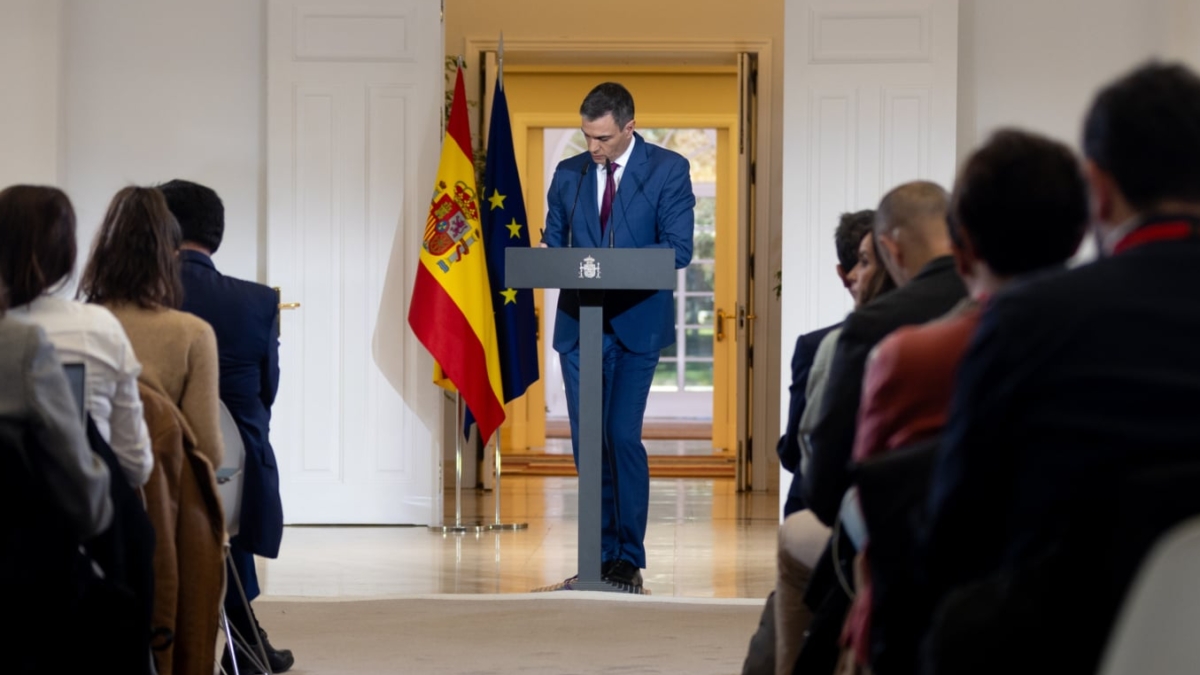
[699, 342]
[698, 375]
[700, 276]
[698, 310]
[706, 214]
[704, 246]
[669, 352]
[698, 145]
[666, 376]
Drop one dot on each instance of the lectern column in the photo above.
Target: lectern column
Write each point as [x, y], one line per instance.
[591, 435]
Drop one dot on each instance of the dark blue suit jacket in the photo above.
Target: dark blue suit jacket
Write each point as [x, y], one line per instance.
[244, 316]
[1073, 382]
[788, 447]
[653, 208]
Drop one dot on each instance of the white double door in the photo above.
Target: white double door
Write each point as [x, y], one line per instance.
[354, 93]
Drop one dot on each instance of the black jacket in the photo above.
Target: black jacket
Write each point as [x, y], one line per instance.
[932, 293]
[1073, 382]
[788, 447]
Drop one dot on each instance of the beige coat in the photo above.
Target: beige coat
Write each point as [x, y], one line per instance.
[189, 526]
[178, 352]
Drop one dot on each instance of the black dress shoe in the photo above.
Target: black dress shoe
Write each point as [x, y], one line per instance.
[605, 567]
[280, 660]
[625, 575]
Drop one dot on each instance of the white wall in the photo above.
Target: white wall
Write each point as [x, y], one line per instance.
[1037, 64]
[29, 75]
[155, 90]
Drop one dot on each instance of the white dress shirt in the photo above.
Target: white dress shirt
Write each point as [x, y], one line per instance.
[91, 335]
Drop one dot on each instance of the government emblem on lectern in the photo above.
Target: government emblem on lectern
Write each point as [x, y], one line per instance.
[589, 268]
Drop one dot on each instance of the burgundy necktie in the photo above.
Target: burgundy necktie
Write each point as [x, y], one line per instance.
[610, 189]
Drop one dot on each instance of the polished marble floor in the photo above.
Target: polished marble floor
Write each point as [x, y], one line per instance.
[704, 539]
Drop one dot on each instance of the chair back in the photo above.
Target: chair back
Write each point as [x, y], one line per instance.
[230, 475]
[1156, 630]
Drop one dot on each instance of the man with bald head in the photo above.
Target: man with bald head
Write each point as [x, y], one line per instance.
[914, 245]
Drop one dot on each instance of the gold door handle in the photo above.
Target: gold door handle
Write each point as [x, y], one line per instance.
[721, 325]
[279, 299]
[282, 306]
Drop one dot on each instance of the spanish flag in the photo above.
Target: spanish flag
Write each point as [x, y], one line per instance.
[451, 309]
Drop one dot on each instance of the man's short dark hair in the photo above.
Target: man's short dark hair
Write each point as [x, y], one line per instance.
[1022, 201]
[199, 210]
[851, 229]
[1144, 129]
[605, 98]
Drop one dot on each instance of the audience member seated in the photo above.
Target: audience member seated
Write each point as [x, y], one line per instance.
[1073, 384]
[134, 272]
[800, 536]
[1019, 206]
[851, 229]
[859, 272]
[870, 280]
[244, 315]
[37, 244]
[914, 246]
[55, 496]
[910, 229]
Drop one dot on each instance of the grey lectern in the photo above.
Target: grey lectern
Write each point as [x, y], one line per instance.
[591, 272]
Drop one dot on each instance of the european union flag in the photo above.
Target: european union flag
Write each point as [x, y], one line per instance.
[504, 225]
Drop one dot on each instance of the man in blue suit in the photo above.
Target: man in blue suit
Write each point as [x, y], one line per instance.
[627, 193]
[245, 317]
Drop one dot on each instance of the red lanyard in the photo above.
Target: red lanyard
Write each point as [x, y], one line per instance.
[1166, 230]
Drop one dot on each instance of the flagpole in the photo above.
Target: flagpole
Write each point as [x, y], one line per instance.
[497, 524]
[458, 527]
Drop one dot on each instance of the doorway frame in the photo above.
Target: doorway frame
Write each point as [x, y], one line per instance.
[765, 422]
[523, 124]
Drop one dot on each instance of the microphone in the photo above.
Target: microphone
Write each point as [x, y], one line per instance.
[612, 229]
[571, 217]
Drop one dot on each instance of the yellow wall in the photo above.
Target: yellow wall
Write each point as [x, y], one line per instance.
[627, 20]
